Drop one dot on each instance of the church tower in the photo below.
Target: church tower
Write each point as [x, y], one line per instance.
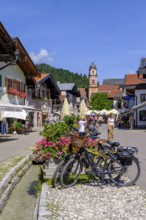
[93, 88]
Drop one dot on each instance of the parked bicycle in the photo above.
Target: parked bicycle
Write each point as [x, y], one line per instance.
[57, 173]
[111, 165]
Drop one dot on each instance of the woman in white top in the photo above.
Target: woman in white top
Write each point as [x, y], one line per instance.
[110, 127]
[81, 124]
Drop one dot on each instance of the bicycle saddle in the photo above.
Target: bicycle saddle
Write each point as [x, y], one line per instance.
[113, 144]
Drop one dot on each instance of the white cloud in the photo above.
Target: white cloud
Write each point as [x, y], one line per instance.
[42, 57]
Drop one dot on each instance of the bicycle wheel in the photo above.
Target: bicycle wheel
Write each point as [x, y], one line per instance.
[71, 172]
[102, 165]
[57, 173]
[124, 175]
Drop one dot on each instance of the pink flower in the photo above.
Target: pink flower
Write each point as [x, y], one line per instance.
[59, 153]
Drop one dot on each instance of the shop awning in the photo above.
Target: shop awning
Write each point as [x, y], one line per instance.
[138, 106]
[17, 114]
[12, 107]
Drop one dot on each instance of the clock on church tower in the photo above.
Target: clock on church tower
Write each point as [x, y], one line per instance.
[93, 88]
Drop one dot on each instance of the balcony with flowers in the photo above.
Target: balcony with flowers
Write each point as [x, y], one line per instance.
[15, 92]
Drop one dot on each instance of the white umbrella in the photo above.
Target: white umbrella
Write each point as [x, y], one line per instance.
[92, 112]
[83, 107]
[114, 111]
[20, 115]
[96, 112]
[65, 107]
[104, 112]
[88, 112]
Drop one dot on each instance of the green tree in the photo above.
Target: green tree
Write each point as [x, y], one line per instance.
[100, 101]
[64, 76]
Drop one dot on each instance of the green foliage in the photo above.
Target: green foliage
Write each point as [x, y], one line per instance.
[52, 132]
[64, 76]
[100, 101]
[18, 125]
[38, 186]
[70, 120]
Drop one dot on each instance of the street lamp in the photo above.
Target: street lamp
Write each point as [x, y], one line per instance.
[14, 61]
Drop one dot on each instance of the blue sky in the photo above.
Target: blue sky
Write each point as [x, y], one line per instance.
[70, 34]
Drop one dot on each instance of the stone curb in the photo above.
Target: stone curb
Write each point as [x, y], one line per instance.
[42, 209]
[35, 213]
[11, 179]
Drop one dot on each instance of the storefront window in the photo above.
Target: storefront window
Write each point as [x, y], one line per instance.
[143, 97]
[142, 115]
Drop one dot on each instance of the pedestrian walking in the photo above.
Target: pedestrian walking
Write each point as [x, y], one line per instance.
[110, 127]
[131, 121]
[100, 120]
[4, 127]
[81, 123]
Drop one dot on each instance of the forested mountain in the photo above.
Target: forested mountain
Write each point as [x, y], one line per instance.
[64, 76]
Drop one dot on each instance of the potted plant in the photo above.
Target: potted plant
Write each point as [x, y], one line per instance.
[49, 150]
[52, 132]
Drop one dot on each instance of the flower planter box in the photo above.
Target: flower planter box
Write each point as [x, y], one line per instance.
[49, 167]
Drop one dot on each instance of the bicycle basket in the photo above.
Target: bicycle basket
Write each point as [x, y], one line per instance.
[77, 140]
[125, 158]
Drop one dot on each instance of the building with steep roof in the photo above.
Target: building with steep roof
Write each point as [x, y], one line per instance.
[135, 91]
[70, 91]
[16, 71]
[44, 94]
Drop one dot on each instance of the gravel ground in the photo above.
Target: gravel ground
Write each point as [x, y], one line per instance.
[85, 202]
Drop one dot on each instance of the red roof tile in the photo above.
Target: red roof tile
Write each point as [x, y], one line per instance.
[132, 79]
[107, 88]
[112, 93]
[43, 75]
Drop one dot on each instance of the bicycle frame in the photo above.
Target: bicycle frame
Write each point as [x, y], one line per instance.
[100, 172]
[97, 171]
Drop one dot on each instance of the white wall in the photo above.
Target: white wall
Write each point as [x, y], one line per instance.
[138, 93]
[13, 72]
